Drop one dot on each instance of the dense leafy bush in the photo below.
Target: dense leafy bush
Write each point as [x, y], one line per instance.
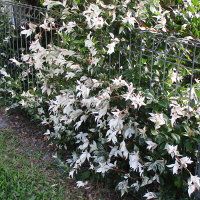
[105, 104]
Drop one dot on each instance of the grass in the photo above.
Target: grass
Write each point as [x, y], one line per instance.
[22, 177]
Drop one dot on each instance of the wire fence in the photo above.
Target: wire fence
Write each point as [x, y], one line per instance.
[14, 18]
[144, 57]
[142, 50]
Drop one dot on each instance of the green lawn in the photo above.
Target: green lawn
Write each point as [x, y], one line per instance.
[22, 177]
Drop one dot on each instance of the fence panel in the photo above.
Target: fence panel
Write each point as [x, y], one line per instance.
[140, 55]
[14, 18]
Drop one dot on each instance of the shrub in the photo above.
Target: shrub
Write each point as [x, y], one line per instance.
[112, 114]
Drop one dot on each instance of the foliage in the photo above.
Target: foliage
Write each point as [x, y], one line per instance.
[183, 16]
[112, 114]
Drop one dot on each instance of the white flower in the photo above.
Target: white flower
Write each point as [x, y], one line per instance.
[93, 147]
[119, 81]
[82, 90]
[104, 167]
[25, 57]
[15, 61]
[127, 1]
[69, 27]
[92, 17]
[51, 4]
[151, 145]
[150, 195]
[156, 178]
[175, 167]
[175, 77]
[123, 149]
[134, 162]
[84, 145]
[71, 173]
[40, 111]
[185, 161]
[123, 187]
[129, 132]
[88, 41]
[110, 6]
[70, 75]
[187, 3]
[172, 150]
[129, 19]
[45, 25]
[116, 123]
[81, 183]
[85, 155]
[27, 32]
[111, 48]
[48, 132]
[111, 136]
[176, 113]
[115, 152]
[93, 51]
[94, 61]
[130, 93]
[98, 22]
[193, 184]
[4, 73]
[158, 119]
[81, 137]
[137, 101]
[35, 46]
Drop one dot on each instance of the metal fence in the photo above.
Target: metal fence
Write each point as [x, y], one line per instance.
[144, 55]
[141, 50]
[14, 18]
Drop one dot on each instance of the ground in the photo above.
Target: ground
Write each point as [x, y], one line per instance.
[27, 167]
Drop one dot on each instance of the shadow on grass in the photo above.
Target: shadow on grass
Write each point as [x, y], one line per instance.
[23, 178]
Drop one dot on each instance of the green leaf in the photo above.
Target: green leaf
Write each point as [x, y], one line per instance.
[164, 103]
[154, 132]
[178, 183]
[176, 137]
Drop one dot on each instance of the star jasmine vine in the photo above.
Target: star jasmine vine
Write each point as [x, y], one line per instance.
[109, 123]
